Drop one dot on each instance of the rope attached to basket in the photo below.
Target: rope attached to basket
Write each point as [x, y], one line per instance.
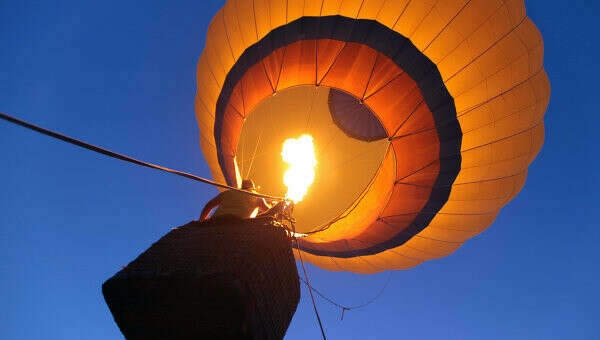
[113, 154]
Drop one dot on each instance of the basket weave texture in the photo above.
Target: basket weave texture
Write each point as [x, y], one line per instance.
[217, 279]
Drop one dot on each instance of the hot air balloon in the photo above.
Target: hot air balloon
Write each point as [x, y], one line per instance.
[424, 116]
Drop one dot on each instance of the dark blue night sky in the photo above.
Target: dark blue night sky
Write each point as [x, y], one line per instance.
[121, 74]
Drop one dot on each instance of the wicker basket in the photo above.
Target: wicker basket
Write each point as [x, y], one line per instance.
[219, 279]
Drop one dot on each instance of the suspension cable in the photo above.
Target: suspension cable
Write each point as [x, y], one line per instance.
[342, 307]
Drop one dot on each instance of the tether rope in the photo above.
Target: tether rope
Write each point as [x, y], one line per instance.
[310, 290]
[127, 158]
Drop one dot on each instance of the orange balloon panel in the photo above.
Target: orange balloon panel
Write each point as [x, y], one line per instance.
[425, 114]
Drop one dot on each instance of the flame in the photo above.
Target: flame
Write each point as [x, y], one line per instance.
[299, 153]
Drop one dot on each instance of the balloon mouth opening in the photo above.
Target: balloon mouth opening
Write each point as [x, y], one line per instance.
[291, 146]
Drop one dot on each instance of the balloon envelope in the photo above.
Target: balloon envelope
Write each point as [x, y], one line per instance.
[425, 116]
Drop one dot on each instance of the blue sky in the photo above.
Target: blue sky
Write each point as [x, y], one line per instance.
[122, 75]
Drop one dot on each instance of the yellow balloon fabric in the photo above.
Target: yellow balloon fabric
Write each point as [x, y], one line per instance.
[425, 114]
